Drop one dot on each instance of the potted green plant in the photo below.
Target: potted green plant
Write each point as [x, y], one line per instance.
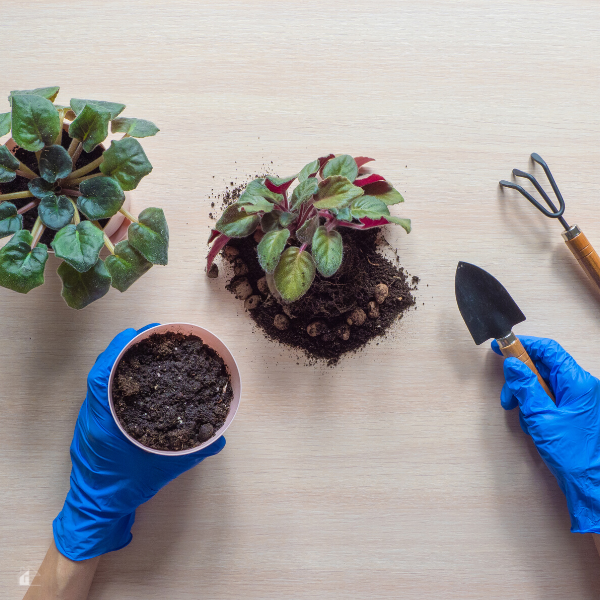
[299, 254]
[60, 186]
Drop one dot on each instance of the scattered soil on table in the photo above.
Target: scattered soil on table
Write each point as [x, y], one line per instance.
[19, 184]
[172, 392]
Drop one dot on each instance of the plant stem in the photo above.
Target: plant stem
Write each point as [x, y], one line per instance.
[28, 206]
[36, 231]
[15, 196]
[127, 215]
[80, 179]
[303, 248]
[331, 224]
[58, 139]
[85, 170]
[350, 225]
[37, 156]
[126, 135]
[77, 154]
[109, 244]
[27, 172]
[73, 146]
[71, 192]
[76, 219]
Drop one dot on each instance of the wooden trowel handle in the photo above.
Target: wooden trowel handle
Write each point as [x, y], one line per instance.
[584, 252]
[511, 346]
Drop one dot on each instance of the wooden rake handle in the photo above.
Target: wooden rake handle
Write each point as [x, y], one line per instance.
[511, 346]
[584, 252]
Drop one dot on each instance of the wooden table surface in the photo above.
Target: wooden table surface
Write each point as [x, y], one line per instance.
[396, 474]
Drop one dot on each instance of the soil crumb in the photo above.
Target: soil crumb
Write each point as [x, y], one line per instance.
[172, 391]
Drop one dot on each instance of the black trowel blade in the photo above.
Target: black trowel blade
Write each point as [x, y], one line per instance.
[485, 305]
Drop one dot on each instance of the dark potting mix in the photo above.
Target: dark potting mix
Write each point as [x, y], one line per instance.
[338, 314]
[172, 392]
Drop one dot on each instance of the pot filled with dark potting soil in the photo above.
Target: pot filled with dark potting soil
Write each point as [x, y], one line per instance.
[174, 389]
[307, 260]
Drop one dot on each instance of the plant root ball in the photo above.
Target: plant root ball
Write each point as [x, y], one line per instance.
[213, 272]
[343, 332]
[281, 322]
[258, 235]
[206, 432]
[230, 253]
[357, 317]
[316, 328]
[263, 286]
[373, 310]
[252, 302]
[240, 267]
[381, 293]
[242, 289]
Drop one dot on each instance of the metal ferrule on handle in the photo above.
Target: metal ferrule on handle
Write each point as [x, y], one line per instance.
[584, 252]
[510, 345]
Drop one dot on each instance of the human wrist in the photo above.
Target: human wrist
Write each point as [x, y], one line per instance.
[82, 531]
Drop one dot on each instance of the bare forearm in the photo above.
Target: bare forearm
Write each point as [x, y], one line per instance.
[60, 578]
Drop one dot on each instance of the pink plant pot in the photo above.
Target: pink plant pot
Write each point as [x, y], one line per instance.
[211, 340]
[116, 228]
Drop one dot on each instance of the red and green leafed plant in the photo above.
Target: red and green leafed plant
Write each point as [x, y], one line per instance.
[63, 196]
[300, 228]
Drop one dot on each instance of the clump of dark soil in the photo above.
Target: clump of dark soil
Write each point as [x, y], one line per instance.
[19, 184]
[338, 314]
[172, 392]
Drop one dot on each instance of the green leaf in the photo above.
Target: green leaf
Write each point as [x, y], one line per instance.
[307, 231]
[137, 128]
[150, 237]
[126, 162]
[342, 214]
[258, 188]
[287, 218]
[270, 221]
[279, 181]
[344, 165]
[21, 267]
[101, 198]
[56, 211]
[255, 204]
[114, 108]
[234, 222]
[35, 122]
[126, 266]
[404, 223]
[327, 250]
[294, 274]
[90, 126]
[49, 93]
[40, 188]
[384, 191]
[8, 165]
[312, 168]
[4, 123]
[10, 220]
[79, 245]
[81, 289]
[270, 248]
[336, 192]
[55, 163]
[304, 192]
[370, 207]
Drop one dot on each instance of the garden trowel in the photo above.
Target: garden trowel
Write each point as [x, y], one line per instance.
[489, 312]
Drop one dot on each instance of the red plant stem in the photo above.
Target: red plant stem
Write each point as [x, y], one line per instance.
[351, 225]
[27, 207]
[326, 214]
[303, 248]
[71, 192]
[217, 246]
[331, 224]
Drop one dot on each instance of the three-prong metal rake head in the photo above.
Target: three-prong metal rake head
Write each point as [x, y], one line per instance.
[574, 238]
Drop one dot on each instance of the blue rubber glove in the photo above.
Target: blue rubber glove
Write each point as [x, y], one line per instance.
[110, 476]
[567, 435]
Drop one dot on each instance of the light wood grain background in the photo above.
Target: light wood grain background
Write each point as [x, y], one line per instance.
[397, 474]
